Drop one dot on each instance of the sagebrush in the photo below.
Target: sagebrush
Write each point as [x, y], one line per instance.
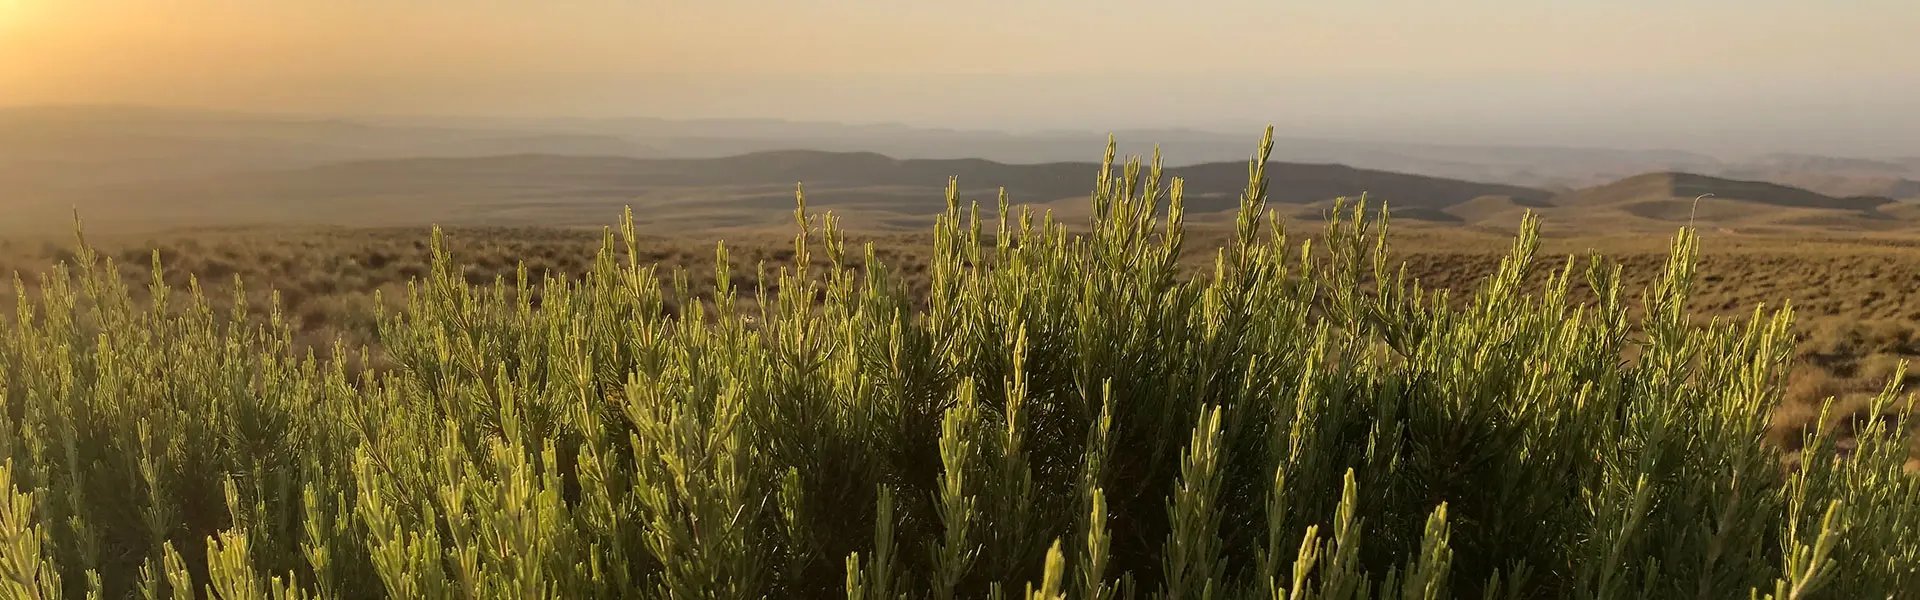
[1065, 418]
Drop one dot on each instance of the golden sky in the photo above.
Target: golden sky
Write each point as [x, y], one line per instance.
[1025, 63]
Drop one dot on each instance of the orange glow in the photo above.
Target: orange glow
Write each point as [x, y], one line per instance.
[882, 59]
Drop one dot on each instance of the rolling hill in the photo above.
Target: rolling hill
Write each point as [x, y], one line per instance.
[1668, 199]
[878, 192]
[1654, 187]
[744, 190]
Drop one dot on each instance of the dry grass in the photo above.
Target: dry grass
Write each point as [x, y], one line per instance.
[331, 283]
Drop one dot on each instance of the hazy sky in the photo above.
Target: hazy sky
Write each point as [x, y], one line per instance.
[1814, 75]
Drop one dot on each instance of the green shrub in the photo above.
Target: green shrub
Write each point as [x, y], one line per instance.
[1065, 419]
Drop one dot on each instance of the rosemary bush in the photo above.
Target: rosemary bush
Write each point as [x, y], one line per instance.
[1065, 418]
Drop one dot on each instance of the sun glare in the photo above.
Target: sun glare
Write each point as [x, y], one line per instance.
[10, 12]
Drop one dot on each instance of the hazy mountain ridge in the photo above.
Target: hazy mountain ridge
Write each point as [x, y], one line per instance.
[272, 141]
[877, 191]
[165, 166]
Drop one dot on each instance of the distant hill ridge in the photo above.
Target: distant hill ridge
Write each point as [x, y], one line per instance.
[874, 189]
[1665, 199]
[58, 147]
[1295, 183]
[1676, 185]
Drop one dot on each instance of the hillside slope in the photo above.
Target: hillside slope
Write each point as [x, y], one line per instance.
[1662, 200]
[869, 188]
